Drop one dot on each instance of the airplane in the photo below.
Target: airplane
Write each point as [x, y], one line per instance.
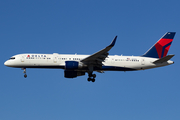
[77, 65]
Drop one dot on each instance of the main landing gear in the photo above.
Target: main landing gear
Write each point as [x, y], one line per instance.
[91, 77]
[90, 74]
[24, 71]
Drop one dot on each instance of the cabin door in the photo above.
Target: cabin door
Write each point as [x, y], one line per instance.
[143, 62]
[55, 58]
[22, 58]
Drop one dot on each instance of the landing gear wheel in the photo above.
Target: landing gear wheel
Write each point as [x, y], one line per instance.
[94, 76]
[93, 80]
[91, 77]
[25, 76]
[24, 71]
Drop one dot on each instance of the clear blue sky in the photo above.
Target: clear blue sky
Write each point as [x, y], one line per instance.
[85, 27]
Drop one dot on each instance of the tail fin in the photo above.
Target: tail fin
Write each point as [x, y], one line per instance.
[161, 48]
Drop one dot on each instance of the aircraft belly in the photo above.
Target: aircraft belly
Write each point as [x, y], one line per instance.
[115, 68]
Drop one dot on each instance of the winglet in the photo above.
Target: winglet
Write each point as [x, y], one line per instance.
[113, 42]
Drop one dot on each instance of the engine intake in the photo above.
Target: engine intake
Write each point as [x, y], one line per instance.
[72, 65]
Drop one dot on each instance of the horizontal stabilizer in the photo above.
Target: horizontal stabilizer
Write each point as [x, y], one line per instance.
[164, 59]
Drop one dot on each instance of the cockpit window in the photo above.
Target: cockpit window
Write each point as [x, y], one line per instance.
[12, 58]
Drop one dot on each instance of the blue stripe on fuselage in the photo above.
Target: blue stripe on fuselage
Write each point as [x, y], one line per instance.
[114, 68]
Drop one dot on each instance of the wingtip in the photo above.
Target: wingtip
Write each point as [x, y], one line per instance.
[113, 42]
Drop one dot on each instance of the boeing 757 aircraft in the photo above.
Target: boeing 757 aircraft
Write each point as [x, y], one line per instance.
[78, 65]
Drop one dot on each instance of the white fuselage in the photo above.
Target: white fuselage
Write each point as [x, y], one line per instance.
[111, 63]
[78, 65]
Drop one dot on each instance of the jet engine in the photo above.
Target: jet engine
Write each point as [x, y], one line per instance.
[73, 74]
[73, 65]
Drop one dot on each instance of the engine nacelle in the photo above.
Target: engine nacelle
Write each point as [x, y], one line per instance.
[73, 74]
[72, 65]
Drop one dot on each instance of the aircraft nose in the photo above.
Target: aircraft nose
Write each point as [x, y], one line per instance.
[6, 63]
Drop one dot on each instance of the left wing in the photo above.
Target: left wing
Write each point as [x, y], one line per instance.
[97, 58]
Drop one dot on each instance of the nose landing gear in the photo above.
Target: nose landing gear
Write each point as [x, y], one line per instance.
[24, 71]
[25, 75]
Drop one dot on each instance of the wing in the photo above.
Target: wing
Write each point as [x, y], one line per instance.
[97, 58]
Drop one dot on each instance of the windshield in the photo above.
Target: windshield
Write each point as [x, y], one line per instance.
[12, 58]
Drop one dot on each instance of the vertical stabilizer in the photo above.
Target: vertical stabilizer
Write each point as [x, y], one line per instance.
[161, 48]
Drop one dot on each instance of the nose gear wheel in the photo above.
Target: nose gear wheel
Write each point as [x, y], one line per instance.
[24, 71]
